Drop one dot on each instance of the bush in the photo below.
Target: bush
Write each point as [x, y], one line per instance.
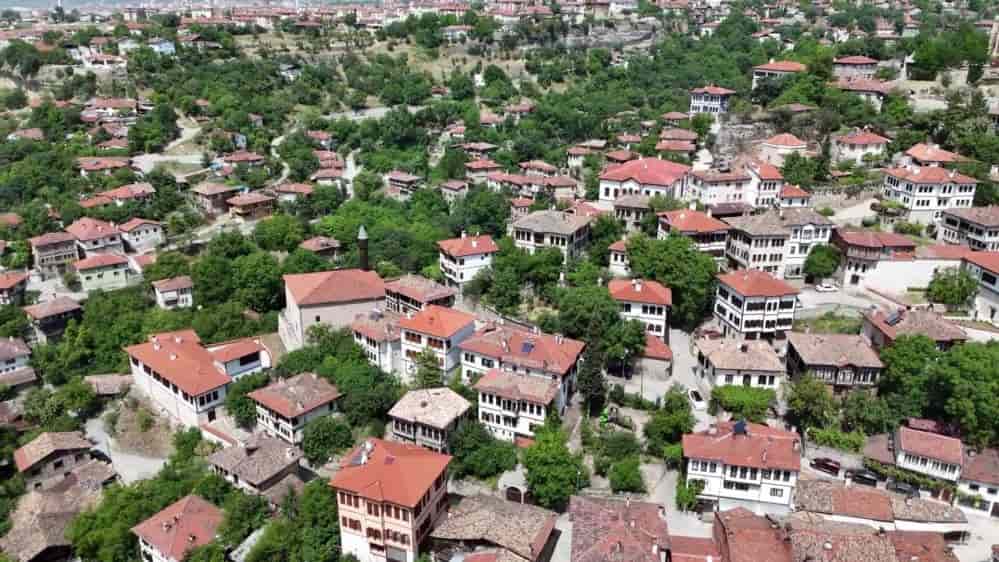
[742, 402]
[852, 441]
[868, 222]
[910, 228]
[324, 437]
[686, 495]
[626, 476]
[826, 212]
[145, 420]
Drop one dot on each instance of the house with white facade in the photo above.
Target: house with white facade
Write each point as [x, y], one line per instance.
[980, 480]
[513, 405]
[527, 353]
[647, 302]
[923, 193]
[103, 272]
[777, 148]
[644, 176]
[984, 266]
[617, 254]
[96, 236]
[181, 527]
[744, 464]
[752, 304]
[710, 187]
[792, 196]
[863, 251]
[860, 147]
[176, 292]
[710, 235]
[186, 380]
[377, 333]
[286, 406]
[567, 232]
[438, 330]
[808, 229]
[757, 242]
[724, 361]
[427, 417]
[15, 372]
[975, 227]
[142, 234]
[330, 298]
[776, 70]
[710, 99]
[931, 454]
[461, 259]
[870, 90]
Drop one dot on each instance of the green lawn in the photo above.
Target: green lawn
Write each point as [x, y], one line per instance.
[829, 323]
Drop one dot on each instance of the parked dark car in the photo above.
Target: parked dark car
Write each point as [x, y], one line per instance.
[864, 478]
[827, 465]
[904, 488]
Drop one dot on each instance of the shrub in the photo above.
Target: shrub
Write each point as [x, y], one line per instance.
[145, 420]
[852, 441]
[868, 222]
[742, 401]
[626, 476]
[826, 211]
[910, 228]
[686, 495]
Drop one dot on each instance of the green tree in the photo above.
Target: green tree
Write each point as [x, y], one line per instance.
[743, 402]
[626, 476]
[477, 453]
[303, 261]
[862, 411]
[822, 261]
[810, 404]
[323, 437]
[242, 409]
[904, 381]
[258, 281]
[428, 371]
[676, 263]
[952, 286]
[591, 382]
[669, 424]
[244, 513]
[279, 232]
[553, 472]
[166, 266]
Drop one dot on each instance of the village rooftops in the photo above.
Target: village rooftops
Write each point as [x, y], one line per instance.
[838, 350]
[981, 216]
[437, 321]
[785, 140]
[930, 445]
[86, 229]
[42, 518]
[383, 471]
[41, 447]
[814, 538]
[930, 175]
[258, 461]
[606, 529]
[538, 165]
[51, 238]
[295, 188]
[553, 222]
[781, 66]
[11, 279]
[320, 243]
[242, 157]
[862, 138]
[864, 85]
[249, 198]
[855, 60]
[745, 444]
[638, 290]
[688, 221]
[12, 348]
[209, 189]
[136, 222]
[181, 527]
[435, 407]
[916, 322]
[749, 355]
[180, 358]
[873, 239]
[712, 90]
[339, 286]
[97, 164]
[982, 467]
[755, 283]
[419, 288]
[932, 153]
[526, 349]
[789, 191]
[763, 224]
[379, 325]
[747, 537]
[647, 171]
[54, 307]
[295, 396]
[482, 164]
[468, 246]
[100, 260]
[510, 386]
[836, 498]
[521, 529]
[678, 134]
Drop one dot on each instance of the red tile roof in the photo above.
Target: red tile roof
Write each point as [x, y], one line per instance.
[86, 228]
[92, 164]
[468, 246]
[235, 349]
[482, 164]
[785, 139]
[517, 387]
[762, 446]
[656, 348]
[54, 307]
[637, 290]
[437, 321]
[675, 146]
[748, 537]
[675, 116]
[930, 175]
[755, 283]
[692, 221]
[930, 445]
[862, 138]
[610, 529]
[693, 549]
[179, 358]
[173, 283]
[855, 59]
[419, 288]
[932, 153]
[50, 238]
[340, 286]
[10, 279]
[873, 239]
[678, 134]
[250, 198]
[781, 66]
[985, 260]
[983, 467]
[296, 188]
[534, 350]
[620, 156]
[295, 396]
[647, 171]
[834, 498]
[383, 471]
[539, 165]
[713, 90]
[100, 260]
[242, 156]
[136, 222]
[792, 191]
[181, 527]
[10, 219]
[865, 85]
[39, 448]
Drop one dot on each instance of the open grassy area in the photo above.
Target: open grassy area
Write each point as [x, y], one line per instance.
[829, 323]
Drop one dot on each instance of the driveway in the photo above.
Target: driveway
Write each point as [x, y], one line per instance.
[130, 468]
[855, 213]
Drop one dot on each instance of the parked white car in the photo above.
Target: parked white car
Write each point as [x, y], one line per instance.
[696, 400]
[826, 288]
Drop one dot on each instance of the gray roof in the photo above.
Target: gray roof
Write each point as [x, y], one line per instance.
[834, 349]
[11, 348]
[764, 224]
[521, 529]
[260, 460]
[436, 407]
[555, 222]
[757, 355]
[798, 216]
[633, 201]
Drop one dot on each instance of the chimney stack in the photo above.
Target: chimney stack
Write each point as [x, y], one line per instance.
[362, 248]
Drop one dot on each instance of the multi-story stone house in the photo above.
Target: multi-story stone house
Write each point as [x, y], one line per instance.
[427, 417]
[723, 362]
[844, 362]
[647, 302]
[286, 406]
[569, 233]
[437, 330]
[752, 304]
[922, 193]
[54, 253]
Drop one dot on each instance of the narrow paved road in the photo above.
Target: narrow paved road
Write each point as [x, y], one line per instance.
[285, 169]
[370, 113]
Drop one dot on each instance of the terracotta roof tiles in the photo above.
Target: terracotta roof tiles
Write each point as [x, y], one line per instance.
[181, 527]
[383, 471]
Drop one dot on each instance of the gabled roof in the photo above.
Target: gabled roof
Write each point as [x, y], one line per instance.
[136, 222]
[676, 133]
[792, 191]
[838, 350]
[520, 528]
[781, 66]
[874, 239]
[250, 198]
[534, 350]
[437, 321]
[755, 283]
[419, 288]
[925, 152]
[12, 348]
[384, 471]
[916, 321]
[379, 325]
[208, 189]
[982, 467]
[638, 290]
[50, 238]
[258, 461]
[319, 243]
[180, 358]
[785, 139]
[556, 222]
[855, 60]
[519, 388]
[54, 307]
[866, 85]
[647, 171]
[760, 447]
[331, 287]
[930, 445]
[749, 355]
[436, 407]
[181, 527]
[86, 228]
[173, 284]
[606, 530]
[100, 260]
[692, 221]
[295, 396]
[983, 216]
[468, 246]
[11, 279]
[656, 348]
[712, 90]
[39, 448]
[861, 138]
